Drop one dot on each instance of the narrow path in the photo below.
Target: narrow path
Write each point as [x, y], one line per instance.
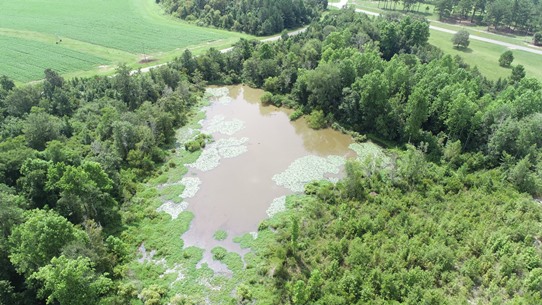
[272, 38]
[474, 37]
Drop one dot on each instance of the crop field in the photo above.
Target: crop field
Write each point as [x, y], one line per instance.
[87, 35]
[28, 59]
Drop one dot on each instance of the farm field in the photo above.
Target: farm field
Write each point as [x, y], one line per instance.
[83, 37]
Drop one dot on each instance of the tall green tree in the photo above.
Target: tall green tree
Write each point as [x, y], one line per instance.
[461, 39]
[41, 237]
[71, 282]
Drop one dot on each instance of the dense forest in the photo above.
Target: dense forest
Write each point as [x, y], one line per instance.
[523, 16]
[250, 16]
[71, 155]
[448, 217]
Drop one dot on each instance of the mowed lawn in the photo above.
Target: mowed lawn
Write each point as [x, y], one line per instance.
[78, 36]
[481, 54]
[486, 56]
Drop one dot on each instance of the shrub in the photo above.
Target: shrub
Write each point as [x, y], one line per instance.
[198, 143]
[266, 98]
[461, 39]
[316, 119]
[506, 59]
[296, 115]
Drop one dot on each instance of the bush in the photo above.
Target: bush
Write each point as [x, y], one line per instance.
[198, 143]
[461, 39]
[266, 98]
[506, 59]
[316, 119]
[296, 115]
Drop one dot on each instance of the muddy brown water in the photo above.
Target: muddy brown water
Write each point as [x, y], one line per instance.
[235, 195]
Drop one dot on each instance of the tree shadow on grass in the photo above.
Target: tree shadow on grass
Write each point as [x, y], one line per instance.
[464, 50]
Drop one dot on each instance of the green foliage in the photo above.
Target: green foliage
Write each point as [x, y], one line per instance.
[152, 295]
[219, 253]
[198, 143]
[41, 237]
[518, 73]
[461, 39]
[506, 59]
[66, 281]
[251, 16]
[220, 235]
[266, 98]
[74, 48]
[404, 245]
[296, 114]
[316, 119]
[537, 39]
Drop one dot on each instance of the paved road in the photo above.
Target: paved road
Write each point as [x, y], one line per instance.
[342, 3]
[474, 37]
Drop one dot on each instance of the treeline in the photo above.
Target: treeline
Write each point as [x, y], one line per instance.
[71, 156]
[519, 15]
[523, 16]
[257, 17]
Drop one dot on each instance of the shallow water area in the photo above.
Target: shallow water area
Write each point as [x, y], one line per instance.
[237, 180]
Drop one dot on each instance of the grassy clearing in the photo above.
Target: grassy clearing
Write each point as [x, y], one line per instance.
[481, 54]
[486, 56]
[428, 11]
[108, 32]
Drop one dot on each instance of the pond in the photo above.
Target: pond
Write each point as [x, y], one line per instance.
[257, 157]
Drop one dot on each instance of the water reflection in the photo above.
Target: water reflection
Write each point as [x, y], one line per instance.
[235, 195]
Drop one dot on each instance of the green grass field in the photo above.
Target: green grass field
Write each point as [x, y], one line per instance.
[84, 37]
[481, 54]
[486, 56]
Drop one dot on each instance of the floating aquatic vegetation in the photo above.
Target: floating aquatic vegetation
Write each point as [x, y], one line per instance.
[232, 151]
[208, 159]
[219, 95]
[191, 186]
[223, 148]
[224, 100]
[148, 256]
[278, 205]
[172, 208]
[370, 150]
[217, 92]
[220, 235]
[185, 135]
[178, 270]
[219, 124]
[306, 169]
